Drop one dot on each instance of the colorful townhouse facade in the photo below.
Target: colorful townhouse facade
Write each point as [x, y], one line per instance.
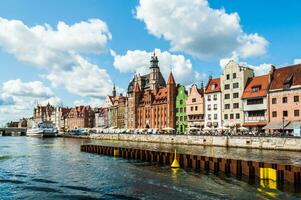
[233, 82]
[195, 108]
[118, 112]
[284, 99]
[181, 115]
[213, 103]
[255, 102]
[43, 113]
[152, 101]
[80, 117]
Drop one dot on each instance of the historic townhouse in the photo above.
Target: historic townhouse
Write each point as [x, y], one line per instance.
[233, 82]
[151, 102]
[80, 117]
[181, 116]
[107, 105]
[101, 117]
[118, 111]
[213, 103]
[59, 116]
[255, 102]
[43, 113]
[195, 107]
[284, 98]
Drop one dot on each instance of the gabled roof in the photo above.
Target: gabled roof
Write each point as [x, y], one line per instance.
[261, 83]
[286, 75]
[217, 86]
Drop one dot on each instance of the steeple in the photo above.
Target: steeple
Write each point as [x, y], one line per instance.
[114, 91]
[171, 80]
[136, 87]
[154, 61]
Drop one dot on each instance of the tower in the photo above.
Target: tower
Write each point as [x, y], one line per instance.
[154, 72]
[136, 99]
[171, 101]
[114, 91]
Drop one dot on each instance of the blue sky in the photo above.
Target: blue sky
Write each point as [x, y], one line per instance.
[130, 36]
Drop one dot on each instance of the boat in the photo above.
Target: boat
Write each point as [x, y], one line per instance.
[43, 129]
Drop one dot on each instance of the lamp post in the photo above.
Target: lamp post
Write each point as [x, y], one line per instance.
[283, 125]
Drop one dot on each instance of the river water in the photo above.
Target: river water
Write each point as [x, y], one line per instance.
[32, 168]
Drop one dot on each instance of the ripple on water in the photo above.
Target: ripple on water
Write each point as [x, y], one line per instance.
[43, 180]
[42, 189]
[5, 157]
[80, 197]
[11, 181]
[85, 189]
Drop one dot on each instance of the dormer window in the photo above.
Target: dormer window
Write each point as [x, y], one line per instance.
[288, 81]
[212, 86]
[256, 88]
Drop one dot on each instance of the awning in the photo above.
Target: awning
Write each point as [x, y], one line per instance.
[292, 124]
[276, 125]
[250, 124]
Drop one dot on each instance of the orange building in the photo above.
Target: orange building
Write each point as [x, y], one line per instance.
[151, 102]
[80, 117]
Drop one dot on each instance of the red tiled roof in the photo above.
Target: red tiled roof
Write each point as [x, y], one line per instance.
[262, 82]
[216, 82]
[281, 75]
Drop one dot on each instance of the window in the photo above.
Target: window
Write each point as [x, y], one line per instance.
[296, 98]
[254, 101]
[235, 85]
[284, 99]
[296, 113]
[228, 76]
[215, 106]
[274, 100]
[191, 108]
[227, 106]
[231, 116]
[226, 116]
[227, 96]
[255, 89]
[195, 108]
[209, 98]
[193, 100]
[212, 86]
[209, 107]
[285, 113]
[227, 86]
[236, 105]
[209, 116]
[237, 115]
[215, 116]
[274, 114]
[234, 75]
[181, 102]
[235, 95]
[215, 97]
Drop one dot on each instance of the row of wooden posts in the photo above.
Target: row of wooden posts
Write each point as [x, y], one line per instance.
[251, 169]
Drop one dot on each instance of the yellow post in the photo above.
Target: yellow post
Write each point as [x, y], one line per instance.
[116, 152]
[175, 163]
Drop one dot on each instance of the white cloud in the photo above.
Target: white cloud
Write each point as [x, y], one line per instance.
[18, 98]
[93, 102]
[44, 46]
[195, 28]
[258, 70]
[60, 51]
[297, 61]
[139, 61]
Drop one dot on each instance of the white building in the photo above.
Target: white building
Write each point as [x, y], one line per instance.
[213, 103]
[233, 82]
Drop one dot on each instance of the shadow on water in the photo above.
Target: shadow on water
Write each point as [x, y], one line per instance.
[85, 189]
[121, 196]
[43, 180]
[79, 197]
[11, 181]
[5, 157]
[41, 189]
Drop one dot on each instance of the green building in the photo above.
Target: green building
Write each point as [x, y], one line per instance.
[181, 117]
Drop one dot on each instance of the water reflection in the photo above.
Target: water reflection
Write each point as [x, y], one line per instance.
[56, 169]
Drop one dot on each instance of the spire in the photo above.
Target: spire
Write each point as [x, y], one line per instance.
[154, 61]
[136, 87]
[171, 80]
[114, 90]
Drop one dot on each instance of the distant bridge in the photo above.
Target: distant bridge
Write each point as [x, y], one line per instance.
[13, 131]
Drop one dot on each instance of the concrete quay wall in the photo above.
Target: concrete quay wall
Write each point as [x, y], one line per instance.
[276, 143]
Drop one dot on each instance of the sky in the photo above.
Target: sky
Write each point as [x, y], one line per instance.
[72, 52]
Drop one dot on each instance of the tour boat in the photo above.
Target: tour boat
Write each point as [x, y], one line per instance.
[43, 129]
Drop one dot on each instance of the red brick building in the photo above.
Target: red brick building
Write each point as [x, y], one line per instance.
[151, 102]
[80, 117]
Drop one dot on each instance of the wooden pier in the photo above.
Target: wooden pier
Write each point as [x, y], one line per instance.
[241, 168]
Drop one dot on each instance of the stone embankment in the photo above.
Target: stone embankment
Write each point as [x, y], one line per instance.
[275, 143]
